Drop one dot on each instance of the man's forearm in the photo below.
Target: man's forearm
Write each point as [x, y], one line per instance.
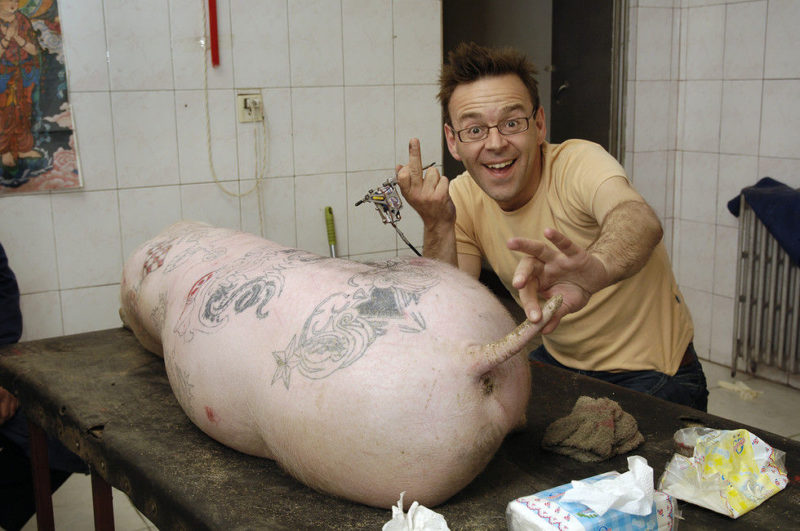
[440, 244]
[627, 238]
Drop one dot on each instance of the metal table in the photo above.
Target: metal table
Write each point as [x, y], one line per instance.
[109, 400]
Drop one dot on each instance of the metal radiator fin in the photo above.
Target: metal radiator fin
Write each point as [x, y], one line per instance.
[766, 325]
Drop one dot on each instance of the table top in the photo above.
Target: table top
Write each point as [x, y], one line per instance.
[109, 400]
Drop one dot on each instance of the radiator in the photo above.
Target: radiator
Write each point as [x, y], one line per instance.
[766, 330]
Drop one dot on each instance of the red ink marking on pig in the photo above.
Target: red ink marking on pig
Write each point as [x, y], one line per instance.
[155, 257]
[212, 417]
[197, 285]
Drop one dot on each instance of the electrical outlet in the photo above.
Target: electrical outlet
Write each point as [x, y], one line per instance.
[249, 107]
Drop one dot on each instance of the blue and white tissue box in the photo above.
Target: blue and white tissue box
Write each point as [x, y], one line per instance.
[545, 511]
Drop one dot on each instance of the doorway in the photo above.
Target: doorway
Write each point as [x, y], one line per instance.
[578, 48]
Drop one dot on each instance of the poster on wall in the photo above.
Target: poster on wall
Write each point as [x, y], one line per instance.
[37, 141]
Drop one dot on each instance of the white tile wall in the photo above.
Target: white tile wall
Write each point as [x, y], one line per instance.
[783, 40]
[345, 84]
[735, 78]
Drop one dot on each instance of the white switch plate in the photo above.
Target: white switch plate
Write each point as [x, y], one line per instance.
[249, 107]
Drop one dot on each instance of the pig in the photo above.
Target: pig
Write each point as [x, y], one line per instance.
[361, 380]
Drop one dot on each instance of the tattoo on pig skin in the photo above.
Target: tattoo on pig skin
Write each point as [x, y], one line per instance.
[158, 315]
[343, 326]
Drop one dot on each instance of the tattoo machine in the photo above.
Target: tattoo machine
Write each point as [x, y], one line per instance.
[388, 204]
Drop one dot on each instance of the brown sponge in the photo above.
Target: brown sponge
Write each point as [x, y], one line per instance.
[596, 430]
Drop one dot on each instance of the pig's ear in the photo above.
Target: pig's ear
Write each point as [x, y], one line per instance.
[490, 355]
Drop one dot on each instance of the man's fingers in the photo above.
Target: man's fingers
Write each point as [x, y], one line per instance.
[563, 243]
[528, 267]
[535, 248]
[414, 158]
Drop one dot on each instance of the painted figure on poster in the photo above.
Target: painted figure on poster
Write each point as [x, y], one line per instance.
[19, 78]
[37, 143]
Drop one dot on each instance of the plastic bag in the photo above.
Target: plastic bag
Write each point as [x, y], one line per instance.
[727, 471]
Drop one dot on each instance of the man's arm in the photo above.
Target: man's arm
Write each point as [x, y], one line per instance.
[629, 232]
[429, 195]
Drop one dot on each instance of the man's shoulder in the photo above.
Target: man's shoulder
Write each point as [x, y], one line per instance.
[577, 147]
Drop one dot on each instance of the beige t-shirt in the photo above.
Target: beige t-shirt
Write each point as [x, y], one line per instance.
[640, 323]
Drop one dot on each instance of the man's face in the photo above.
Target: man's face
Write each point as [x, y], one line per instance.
[506, 167]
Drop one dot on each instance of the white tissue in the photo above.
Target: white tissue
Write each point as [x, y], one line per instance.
[631, 492]
[418, 518]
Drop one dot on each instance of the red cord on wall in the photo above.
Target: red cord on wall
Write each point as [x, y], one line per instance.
[212, 22]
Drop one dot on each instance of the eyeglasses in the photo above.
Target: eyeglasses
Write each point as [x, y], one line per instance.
[511, 126]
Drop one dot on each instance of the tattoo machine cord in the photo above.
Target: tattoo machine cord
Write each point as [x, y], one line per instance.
[388, 204]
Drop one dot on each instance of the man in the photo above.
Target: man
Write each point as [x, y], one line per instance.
[623, 319]
[17, 503]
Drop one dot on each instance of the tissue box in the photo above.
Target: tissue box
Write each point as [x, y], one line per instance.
[544, 511]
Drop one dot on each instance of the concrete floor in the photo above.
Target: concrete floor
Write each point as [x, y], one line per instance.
[773, 410]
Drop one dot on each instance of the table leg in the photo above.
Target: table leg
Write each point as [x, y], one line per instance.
[41, 478]
[103, 503]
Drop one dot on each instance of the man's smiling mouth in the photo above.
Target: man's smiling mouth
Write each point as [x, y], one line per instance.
[501, 165]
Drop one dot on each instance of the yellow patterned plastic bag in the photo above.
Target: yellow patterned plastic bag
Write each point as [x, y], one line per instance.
[729, 471]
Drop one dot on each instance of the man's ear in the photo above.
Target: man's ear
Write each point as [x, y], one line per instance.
[452, 141]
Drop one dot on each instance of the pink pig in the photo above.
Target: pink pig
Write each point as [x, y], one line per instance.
[361, 380]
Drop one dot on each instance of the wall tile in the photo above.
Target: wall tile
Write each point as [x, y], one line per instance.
[312, 194]
[741, 116]
[84, 44]
[735, 172]
[145, 138]
[418, 115]
[261, 50]
[140, 56]
[367, 232]
[651, 123]
[144, 212]
[41, 315]
[369, 124]
[188, 53]
[87, 237]
[318, 124]
[632, 43]
[725, 260]
[745, 26]
[280, 158]
[705, 42]
[418, 41]
[786, 171]
[780, 126]
[315, 43]
[277, 210]
[367, 42]
[783, 40]
[696, 255]
[26, 232]
[192, 140]
[702, 116]
[699, 187]
[649, 179]
[722, 330]
[654, 44]
[209, 204]
[91, 113]
[88, 309]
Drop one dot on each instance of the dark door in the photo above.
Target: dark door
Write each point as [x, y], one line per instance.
[573, 44]
[582, 71]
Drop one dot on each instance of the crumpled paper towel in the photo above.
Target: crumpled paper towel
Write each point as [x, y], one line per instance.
[418, 518]
[630, 492]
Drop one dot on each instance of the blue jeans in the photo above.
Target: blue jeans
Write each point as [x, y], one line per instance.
[687, 387]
